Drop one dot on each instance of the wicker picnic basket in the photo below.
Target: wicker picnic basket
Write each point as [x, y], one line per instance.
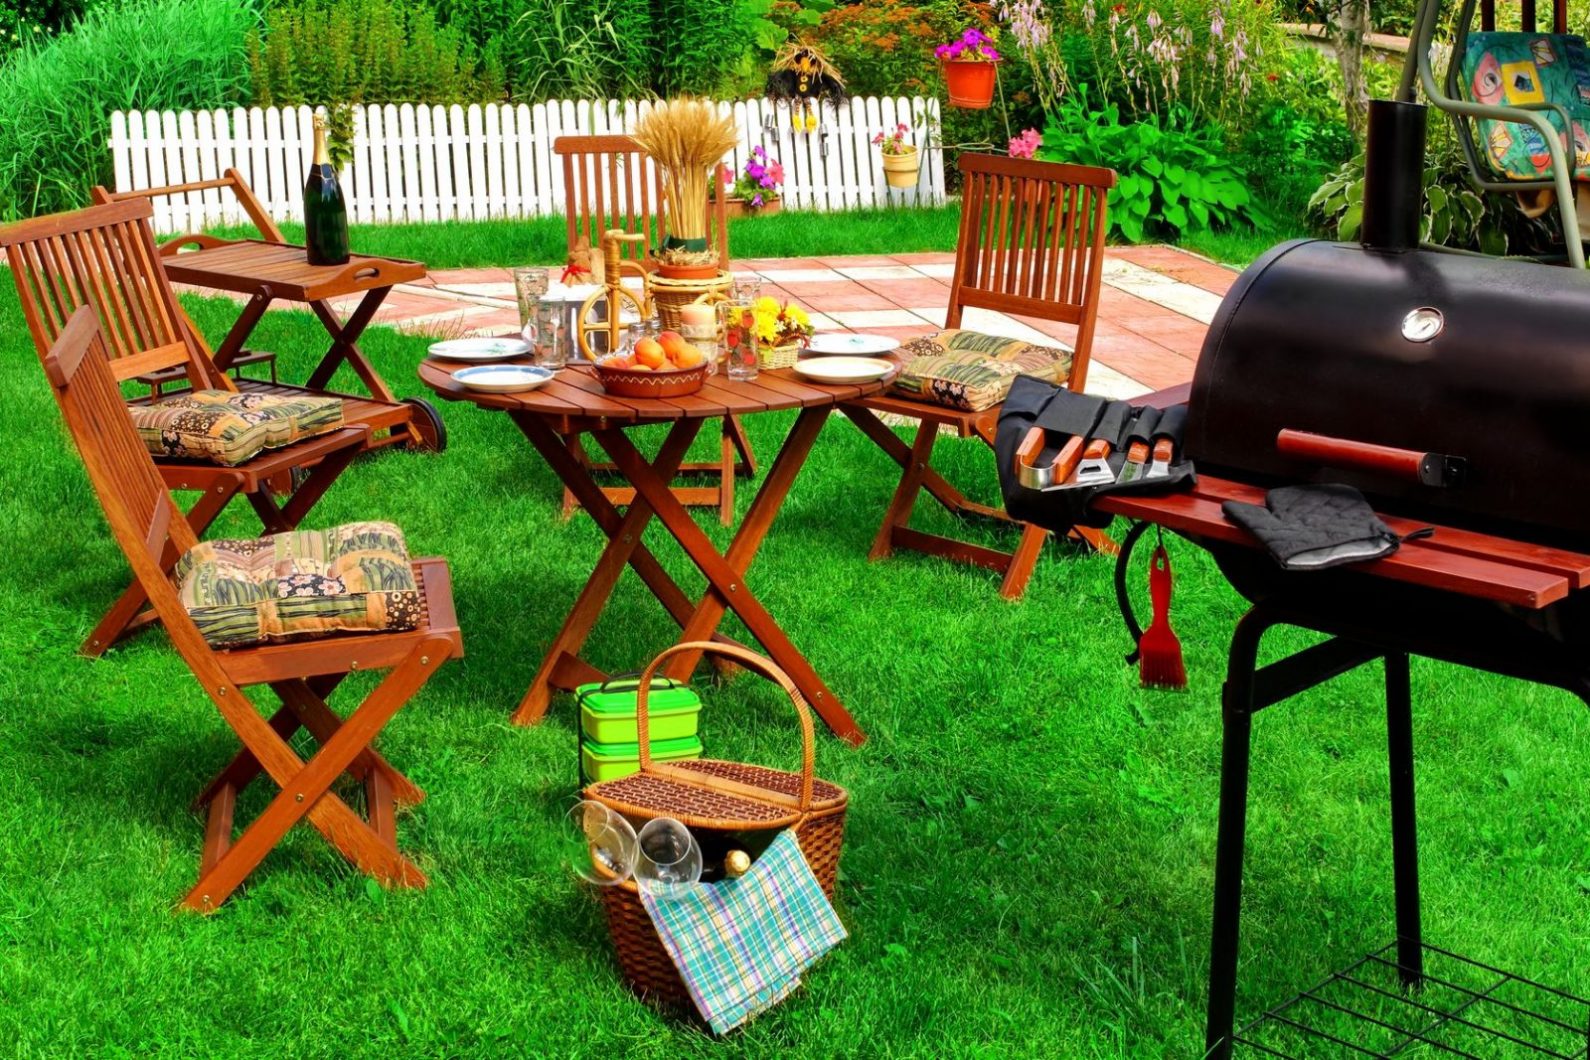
[670, 295]
[709, 795]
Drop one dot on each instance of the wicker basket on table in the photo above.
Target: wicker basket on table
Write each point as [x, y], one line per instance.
[710, 795]
[784, 356]
[670, 295]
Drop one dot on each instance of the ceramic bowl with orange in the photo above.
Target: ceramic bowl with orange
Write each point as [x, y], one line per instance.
[667, 366]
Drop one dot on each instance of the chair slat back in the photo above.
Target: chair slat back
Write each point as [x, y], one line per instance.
[1032, 243]
[123, 474]
[104, 257]
[610, 182]
[231, 179]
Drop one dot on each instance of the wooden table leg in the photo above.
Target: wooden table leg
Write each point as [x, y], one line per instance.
[344, 345]
[241, 329]
[904, 500]
[623, 541]
[725, 580]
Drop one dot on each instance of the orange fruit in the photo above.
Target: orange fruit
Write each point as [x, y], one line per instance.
[669, 336]
[650, 353]
[641, 368]
[689, 357]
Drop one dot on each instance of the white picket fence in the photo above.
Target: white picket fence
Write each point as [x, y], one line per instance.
[469, 163]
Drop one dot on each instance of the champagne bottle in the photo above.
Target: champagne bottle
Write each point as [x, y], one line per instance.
[325, 210]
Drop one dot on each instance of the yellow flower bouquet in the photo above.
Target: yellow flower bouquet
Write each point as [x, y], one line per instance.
[781, 331]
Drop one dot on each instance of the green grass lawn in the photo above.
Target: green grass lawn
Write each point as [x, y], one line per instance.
[1028, 859]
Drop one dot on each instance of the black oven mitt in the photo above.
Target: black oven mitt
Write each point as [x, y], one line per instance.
[1315, 527]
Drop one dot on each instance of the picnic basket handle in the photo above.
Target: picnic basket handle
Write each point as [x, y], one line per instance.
[751, 661]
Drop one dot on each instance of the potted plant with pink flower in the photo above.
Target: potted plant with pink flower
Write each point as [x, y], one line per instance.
[970, 63]
[902, 162]
[756, 189]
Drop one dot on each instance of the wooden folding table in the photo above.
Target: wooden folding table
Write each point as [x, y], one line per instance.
[555, 417]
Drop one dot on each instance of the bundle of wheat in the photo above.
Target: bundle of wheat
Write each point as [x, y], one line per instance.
[686, 138]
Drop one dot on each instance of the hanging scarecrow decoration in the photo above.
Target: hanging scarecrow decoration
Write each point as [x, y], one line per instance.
[803, 77]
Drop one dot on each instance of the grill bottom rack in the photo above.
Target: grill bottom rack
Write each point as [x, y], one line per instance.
[1460, 1008]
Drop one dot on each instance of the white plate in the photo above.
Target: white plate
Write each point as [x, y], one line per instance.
[840, 342]
[844, 369]
[502, 378]
[479, 351]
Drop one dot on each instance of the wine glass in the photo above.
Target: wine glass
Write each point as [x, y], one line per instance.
[670, 859]
[604, 846]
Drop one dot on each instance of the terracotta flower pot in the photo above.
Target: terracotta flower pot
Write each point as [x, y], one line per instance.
[970, 82]
[738, 207]
[901, 171]
[688, 272]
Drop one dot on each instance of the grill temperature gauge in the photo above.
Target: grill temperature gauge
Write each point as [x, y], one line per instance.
[1422, 324]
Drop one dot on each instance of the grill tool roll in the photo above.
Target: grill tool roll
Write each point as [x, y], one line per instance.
[1058, 450]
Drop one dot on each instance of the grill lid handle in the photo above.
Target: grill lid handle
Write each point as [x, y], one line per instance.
[1440, 470]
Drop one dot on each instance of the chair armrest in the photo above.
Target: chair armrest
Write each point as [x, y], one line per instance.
[309, 451]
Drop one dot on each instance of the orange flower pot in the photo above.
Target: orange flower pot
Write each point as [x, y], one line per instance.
[970, 82]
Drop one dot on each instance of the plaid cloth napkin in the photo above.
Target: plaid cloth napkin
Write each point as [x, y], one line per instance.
[740, 945]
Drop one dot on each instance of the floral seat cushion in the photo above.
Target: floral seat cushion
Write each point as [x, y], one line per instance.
[973, 371]
[352, 577]
[223, 427]
[1514, 69]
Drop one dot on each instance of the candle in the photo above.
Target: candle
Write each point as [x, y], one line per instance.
[696, 315]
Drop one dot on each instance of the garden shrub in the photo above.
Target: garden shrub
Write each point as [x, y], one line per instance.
[1175, 174]
[56, 98]
[325, 52]
[23, 21]
[1456, 213]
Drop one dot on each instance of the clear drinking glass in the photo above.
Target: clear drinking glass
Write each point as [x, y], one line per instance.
[529, 285]
[551, 349]
[738, 327]
[747, 287]
[670, 858]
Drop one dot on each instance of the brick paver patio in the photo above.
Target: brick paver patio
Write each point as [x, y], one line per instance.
[1156, 305]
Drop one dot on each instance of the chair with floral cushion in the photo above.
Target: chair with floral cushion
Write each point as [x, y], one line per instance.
[208, 438]
[294, 611]
[1032, 244]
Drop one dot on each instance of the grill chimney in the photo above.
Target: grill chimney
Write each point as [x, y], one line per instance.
[1393, 176]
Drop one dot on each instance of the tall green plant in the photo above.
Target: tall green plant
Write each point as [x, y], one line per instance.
[56, 98]
[1175, 175]
[327, 52]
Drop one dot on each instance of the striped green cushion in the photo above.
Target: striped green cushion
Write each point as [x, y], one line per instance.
[352, 577]
[222, 427]
[971, 370]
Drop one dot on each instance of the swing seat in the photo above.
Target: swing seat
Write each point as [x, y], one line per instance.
[1513, 69]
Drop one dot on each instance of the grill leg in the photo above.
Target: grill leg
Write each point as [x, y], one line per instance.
[1237, 703]
[1404, 830]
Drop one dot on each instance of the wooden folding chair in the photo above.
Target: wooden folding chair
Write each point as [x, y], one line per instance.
[411, 421]
[1031, 243]
[147, 525]
[104, 257]
[610, 183]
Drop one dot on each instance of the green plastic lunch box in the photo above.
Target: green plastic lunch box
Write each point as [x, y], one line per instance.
[607, 711]
[611, 761]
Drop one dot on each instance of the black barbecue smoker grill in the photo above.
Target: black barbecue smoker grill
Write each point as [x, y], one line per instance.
[1454, 391]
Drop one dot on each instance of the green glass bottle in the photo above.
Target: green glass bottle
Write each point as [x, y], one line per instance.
[325, 210]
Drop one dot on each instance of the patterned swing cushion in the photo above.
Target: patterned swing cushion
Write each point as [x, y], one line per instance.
[1511, 69]
[222, 427]
[304, 583]
[973, 371]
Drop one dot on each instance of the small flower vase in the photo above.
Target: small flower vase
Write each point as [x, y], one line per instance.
[970, 82]
[901, 170]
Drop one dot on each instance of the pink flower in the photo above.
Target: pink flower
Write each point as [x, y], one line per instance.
[1026, 145]
[776, 171]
